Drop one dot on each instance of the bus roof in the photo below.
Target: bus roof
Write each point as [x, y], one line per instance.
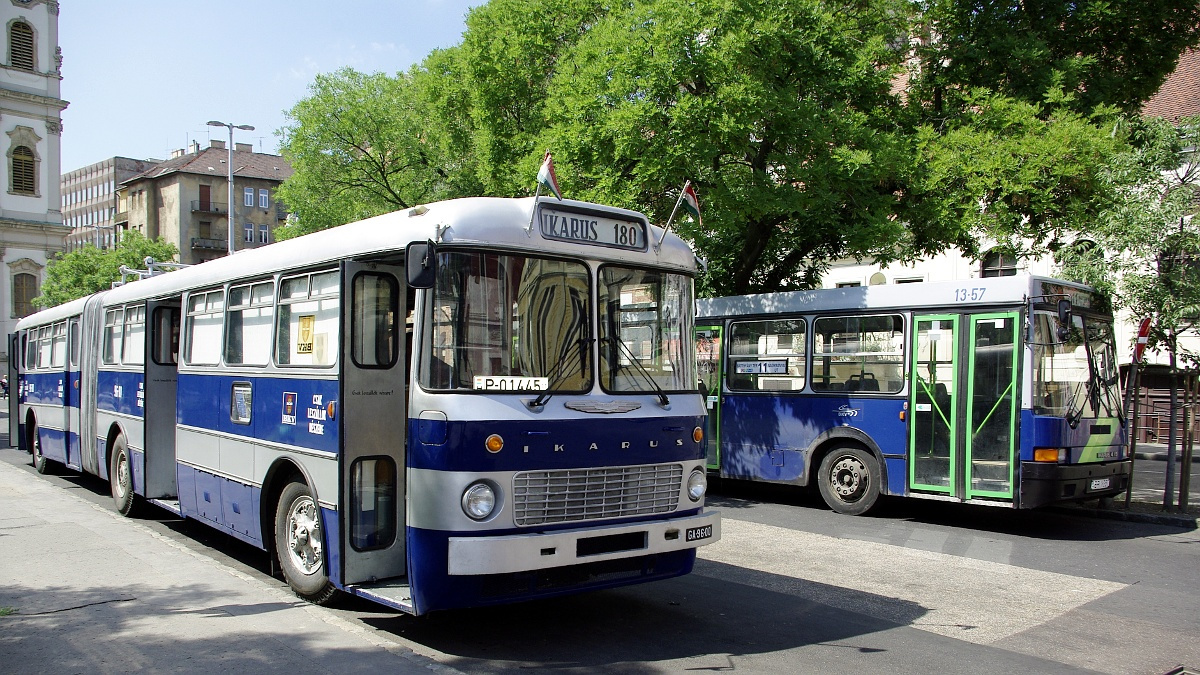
[966, 292]
[490, 221]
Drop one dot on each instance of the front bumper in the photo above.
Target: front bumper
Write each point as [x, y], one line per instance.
[559, 548]
[1043, 483]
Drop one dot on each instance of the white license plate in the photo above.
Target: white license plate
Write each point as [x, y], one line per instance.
[698, 533]
[1100, 483]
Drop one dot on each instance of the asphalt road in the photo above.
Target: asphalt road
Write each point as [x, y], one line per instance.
[918, 587]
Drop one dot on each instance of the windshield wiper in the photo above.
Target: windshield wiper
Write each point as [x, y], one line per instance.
[662, 395]
[558, 371]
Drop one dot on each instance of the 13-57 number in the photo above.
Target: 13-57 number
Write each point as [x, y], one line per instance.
[971, 294]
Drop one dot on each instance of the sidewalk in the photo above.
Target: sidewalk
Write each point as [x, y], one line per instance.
[85, 590]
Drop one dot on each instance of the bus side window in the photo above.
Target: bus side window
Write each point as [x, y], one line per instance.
[374, 320]
[166, 336]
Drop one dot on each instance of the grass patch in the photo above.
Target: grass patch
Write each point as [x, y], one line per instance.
[5, 611]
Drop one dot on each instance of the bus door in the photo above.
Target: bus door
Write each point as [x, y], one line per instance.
[991, 433]
[71, 437]
[161, 357]
[14, 403]
[963, 406]
[374, 423]
[932, 437]
[708, 362]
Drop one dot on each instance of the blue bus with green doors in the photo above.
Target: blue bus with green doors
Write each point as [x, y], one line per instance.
[997, 391]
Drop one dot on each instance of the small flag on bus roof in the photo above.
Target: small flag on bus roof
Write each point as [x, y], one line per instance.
[547, 178]
[691, 202]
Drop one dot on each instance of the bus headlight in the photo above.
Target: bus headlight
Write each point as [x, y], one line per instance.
[697, 485]
[478, 501]
[1058, 455]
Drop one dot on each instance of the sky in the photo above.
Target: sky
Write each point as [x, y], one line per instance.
[142, 77]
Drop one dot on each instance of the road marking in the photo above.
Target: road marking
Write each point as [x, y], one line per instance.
[967, 599]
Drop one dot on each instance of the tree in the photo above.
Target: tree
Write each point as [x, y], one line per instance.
[781, 113]
[362, 145]
[91, 270]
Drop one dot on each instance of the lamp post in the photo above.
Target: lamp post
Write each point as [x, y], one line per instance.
[229, 162]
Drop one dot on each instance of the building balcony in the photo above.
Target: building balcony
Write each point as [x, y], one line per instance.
[121, 218]
[218, 208]
[209, 244]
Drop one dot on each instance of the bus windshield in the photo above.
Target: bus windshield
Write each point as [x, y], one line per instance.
[646, 315]
[507, 322]
[1075, 377]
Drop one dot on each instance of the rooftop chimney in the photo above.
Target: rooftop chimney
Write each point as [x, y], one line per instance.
[219, 145]
[243, 147]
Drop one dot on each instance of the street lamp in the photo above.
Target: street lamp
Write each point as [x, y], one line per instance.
[231, 127]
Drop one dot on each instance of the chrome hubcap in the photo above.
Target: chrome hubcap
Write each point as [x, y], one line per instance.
[304, 535]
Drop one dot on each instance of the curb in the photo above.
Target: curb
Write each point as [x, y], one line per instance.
[1184, 520]
[1162, 456]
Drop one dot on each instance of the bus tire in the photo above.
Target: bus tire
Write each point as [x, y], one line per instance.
[39, 461]
[849, 480]
[299, 544]
[120, 478]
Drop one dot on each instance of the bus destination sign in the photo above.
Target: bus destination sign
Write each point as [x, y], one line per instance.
[589, 228]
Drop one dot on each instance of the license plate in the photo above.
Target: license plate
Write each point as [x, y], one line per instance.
[698, 533]
[1100, 483]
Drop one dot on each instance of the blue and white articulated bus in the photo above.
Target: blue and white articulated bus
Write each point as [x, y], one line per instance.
[471, 402]
[1000, 391]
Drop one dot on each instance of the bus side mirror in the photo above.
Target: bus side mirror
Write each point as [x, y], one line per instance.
[420, 260]
[1064, 319]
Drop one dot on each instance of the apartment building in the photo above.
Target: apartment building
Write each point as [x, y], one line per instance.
[184, 200]
[89, 199]
[31, 227]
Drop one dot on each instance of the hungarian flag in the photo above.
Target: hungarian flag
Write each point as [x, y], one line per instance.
[691, 202]
[546, 177]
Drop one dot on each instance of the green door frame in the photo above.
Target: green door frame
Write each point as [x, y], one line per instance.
[948, 417]
[1010, 392]
[712, 432]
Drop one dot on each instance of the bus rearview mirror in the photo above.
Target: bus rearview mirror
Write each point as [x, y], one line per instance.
[420, 259]
[1064, 319]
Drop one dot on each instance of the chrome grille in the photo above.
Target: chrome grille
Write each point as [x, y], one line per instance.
[570, 495]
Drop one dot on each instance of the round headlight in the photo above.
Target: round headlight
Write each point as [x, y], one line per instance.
[478, 501]
[697, 485]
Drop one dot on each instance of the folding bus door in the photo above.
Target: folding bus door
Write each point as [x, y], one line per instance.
[14, 403]
[708, 362]
[161, 355]
[991, 383]
[373, 418]
[933, 447]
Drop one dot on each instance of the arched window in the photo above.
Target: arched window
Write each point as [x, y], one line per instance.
[24, 171]
[24, 291]
[20, 46]
[998, 263]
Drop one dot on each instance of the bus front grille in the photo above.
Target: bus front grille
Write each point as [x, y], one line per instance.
[569, 495]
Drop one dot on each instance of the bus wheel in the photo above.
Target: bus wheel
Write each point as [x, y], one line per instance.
[120, 478]
[849, 480]
[40, 463]
[300, 546]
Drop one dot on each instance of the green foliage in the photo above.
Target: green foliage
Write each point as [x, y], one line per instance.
[779, 112]
[90, 270]
[1147, 253]
[1097, 53]
[813, 130]
[362, 145]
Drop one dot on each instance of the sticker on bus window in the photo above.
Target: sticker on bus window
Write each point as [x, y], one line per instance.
[304, 337]
[772, 367]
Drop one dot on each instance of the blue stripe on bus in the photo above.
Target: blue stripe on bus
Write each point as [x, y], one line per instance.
[43, 388]
[764, 437]
[555, 444]
[291, 412]
[120, 392]
[434, 589]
